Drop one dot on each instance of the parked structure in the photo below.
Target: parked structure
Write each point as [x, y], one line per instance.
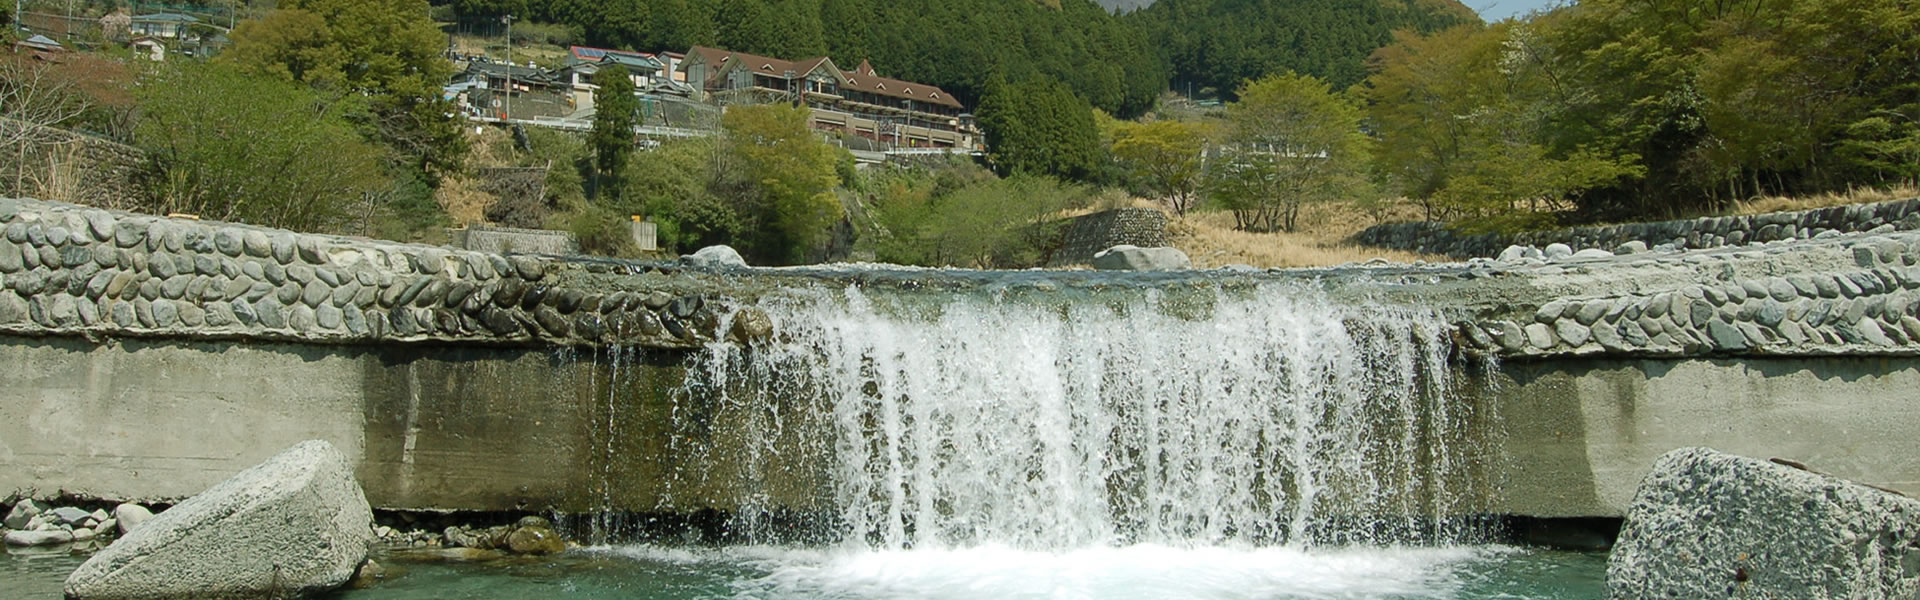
[858, 102]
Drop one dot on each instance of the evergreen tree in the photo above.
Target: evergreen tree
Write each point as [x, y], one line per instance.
[1039, 127]
[616, 110]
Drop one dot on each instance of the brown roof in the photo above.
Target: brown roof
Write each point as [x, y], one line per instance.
[861, 78]
[757, 63]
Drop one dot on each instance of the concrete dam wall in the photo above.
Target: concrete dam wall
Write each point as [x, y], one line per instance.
[146, 358]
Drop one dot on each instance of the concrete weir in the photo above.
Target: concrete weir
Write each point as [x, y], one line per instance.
[146, 358]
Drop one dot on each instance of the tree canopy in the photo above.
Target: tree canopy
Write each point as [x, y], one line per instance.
[388, 50]
[1637, 108]
[262, 150]
[1039, 127]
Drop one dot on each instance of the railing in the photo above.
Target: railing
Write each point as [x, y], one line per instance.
[586, 125]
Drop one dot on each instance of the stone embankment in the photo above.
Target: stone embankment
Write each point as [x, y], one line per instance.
[1709, 232]
[71, 270]
[1710, 525]
[1839, 295]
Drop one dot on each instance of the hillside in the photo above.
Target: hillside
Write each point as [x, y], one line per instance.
[1219, 43]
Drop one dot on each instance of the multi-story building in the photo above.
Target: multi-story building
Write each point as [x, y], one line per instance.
[857, 102]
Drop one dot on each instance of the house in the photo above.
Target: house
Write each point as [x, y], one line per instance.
[38, 43]
[857, 102]
[534, 92]
[652, 73]
[162, 25]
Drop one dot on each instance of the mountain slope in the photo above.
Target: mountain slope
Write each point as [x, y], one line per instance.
[1219, 43]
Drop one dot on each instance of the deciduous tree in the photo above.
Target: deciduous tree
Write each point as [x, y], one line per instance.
[791, 176]
[1291, 141]
[1164, 157]
[231, 146]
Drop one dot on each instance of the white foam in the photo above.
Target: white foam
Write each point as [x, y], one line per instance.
[1143, 571]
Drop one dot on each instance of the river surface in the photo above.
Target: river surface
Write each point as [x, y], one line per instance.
[1146, 571]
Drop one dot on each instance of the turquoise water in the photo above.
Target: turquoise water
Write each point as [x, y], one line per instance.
[1463, 573]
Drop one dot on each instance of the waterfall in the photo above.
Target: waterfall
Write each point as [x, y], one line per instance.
[1265, 416]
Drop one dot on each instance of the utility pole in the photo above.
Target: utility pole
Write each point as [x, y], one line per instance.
[508, 102]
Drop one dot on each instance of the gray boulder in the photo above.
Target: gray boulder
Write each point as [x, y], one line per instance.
[47, 537]
[23, 512]
[67, 515]
[1134, 258]
[130, 516]
[1557, 251]
[1710, 525]
[297, 524]
[715, 256]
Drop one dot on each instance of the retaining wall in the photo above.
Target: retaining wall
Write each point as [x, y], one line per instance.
[1708, 232]
[71, 270]
[1086, 235]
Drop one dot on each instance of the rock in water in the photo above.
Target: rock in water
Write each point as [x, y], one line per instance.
[22, 513]
[129, 516]
[39, 538]
[715, 256]
[535, 540]
[296, 524]
[1133, 258]
[1710, 525]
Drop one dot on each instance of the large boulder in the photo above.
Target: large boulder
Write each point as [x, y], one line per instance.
[1710, 525]
[1126, 257]
[296, 524]
[721, 257]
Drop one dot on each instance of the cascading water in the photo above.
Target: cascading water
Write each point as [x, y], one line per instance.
[1260, 417]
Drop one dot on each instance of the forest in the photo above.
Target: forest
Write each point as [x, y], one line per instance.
[1642, 109]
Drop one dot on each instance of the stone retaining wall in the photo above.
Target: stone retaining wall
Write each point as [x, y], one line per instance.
[72, 270]
[1088, 234]
[1708, 232]
[1855, 295]
[85, 169]
[502, 240]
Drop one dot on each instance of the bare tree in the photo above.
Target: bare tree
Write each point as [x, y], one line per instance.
[34, 101]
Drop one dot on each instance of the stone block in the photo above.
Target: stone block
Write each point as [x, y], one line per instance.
[1705, 524]
[295, 525]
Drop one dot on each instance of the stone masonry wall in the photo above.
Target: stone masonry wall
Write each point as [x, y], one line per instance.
[86, 169]
[72, 270]
[1708, 232]
[1852, 295]
[1088, 234]
[77, 271]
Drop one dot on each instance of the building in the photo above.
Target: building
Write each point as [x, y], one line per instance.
[162, 25]
[38, 43]
[858, 102]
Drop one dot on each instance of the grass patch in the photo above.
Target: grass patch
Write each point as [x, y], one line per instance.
[1868, 195]
[1324, 239]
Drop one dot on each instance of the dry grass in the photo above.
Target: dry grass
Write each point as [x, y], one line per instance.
[1770, 204]
[1211, 241]
[459, 195]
